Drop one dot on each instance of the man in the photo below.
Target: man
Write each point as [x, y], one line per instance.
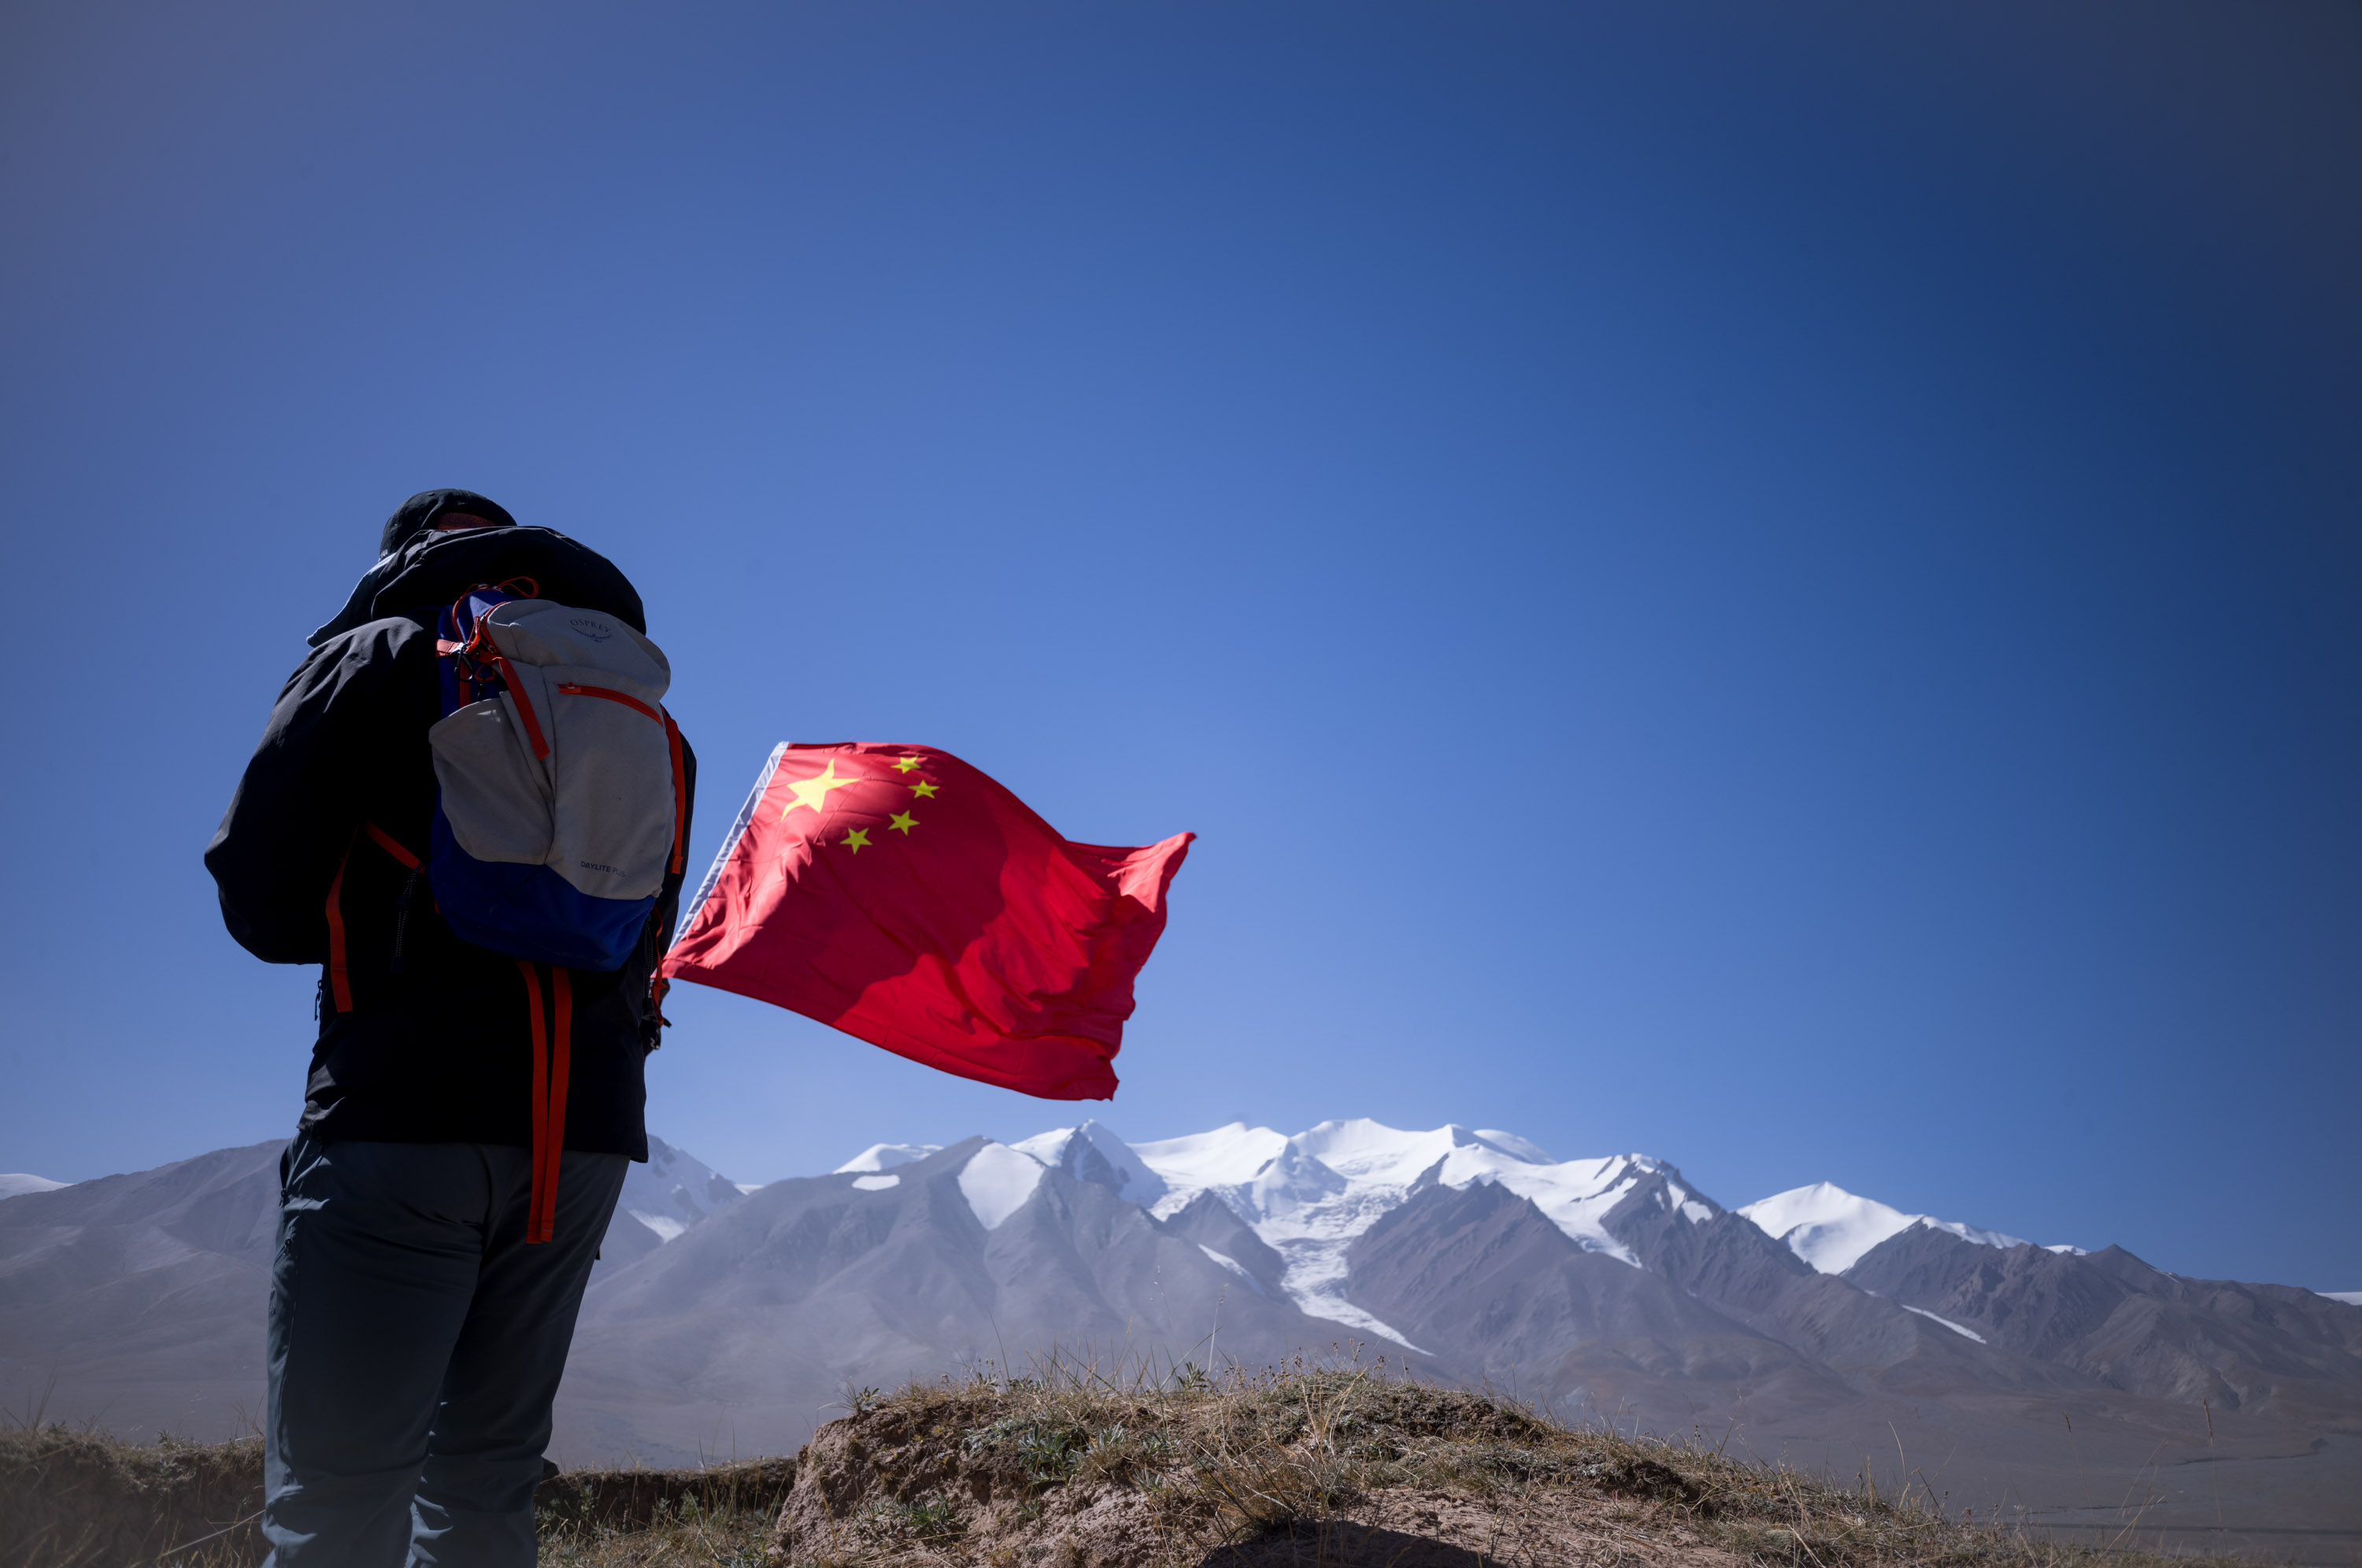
[418, 1331]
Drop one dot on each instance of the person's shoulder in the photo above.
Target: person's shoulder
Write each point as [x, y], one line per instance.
[389, 637]
[542, 562]
[386, 643]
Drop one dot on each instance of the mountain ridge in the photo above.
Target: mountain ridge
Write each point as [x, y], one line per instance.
[723, 1317]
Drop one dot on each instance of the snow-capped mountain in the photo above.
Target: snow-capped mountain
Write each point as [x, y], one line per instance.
[1309, 1196]
[1355, 1223]
[886, 1157]
[675, 1190]
[1470, 1256]
[14, 1182]
[1833, 1230]
[660, 1201]
[1091, 1152]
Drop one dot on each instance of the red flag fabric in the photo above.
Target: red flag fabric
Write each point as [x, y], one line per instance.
[906, 898]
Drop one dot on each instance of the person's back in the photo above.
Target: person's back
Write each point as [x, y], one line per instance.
[463, 1101]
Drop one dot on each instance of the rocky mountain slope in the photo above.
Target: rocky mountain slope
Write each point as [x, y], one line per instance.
[740, 1336]
[1815, 1325]
[660, 1201]
[2263, 1349]
[135, 1301]
[1608, 1285]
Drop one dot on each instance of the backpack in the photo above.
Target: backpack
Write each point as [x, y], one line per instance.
[559, 799]
[560, 806]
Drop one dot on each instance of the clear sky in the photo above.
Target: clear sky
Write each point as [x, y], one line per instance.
[1780, 587]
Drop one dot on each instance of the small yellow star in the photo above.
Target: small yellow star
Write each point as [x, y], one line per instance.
[907, 763]
[857, 841]
[903, 823]
[924, 790]
[813, 791]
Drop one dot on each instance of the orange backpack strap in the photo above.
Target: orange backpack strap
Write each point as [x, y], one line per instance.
[391, 844]
[341, 984]
[340, 980]
[561, 1053]
[550, 1071]
[680, 796]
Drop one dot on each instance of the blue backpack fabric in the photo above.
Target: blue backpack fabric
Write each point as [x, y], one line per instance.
[558, 799]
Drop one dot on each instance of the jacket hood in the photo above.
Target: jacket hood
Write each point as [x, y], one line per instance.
[434, 569]
[412, 518]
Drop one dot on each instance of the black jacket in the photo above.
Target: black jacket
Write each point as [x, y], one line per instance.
[437, 1047]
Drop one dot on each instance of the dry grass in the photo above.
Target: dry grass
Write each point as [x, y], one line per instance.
[1070, 1466]
[74, 1499]
[718, 1518]
[1340, 1464]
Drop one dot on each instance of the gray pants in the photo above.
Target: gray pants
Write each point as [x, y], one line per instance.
[415, 1346]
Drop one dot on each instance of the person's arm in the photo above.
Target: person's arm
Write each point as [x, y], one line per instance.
[300, 801]
[667, 910]
[664, 921]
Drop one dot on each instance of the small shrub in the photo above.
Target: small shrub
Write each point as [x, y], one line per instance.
[929, 1519]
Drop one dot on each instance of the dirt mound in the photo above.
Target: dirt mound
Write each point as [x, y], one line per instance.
[78, 1499]
[1313, 1468]
[73, 1499]
[1317, 1466]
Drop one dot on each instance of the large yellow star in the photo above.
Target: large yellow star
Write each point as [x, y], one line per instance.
[857, 841]
[903, 823]
[813, 791]
[924, 790]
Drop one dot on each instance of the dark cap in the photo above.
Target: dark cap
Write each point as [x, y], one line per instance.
[422, 510]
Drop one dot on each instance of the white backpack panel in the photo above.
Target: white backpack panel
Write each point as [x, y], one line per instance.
[598, 809]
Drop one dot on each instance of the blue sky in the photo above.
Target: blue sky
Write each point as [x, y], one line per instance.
[1776, 588]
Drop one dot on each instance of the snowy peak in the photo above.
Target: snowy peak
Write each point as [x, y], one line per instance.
[1832, 1230]
[14, 1181]
[1577, 1195]
[1364, 1151]
[1306, 1198]
[1228, 1156]
[886, 1157]
[1663, 1189]
[1334, 1180]
[997, 1180]
[1514, 1146]
[1093, 1153]
[1294, 1182]
[675, 1190]
[1370, 1151]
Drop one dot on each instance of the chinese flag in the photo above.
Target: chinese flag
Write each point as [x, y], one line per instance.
[897, 894]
